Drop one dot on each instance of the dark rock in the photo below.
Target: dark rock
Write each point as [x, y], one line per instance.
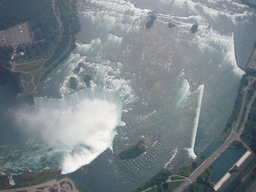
[194, 28]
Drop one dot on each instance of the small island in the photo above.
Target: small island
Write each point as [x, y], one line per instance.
[194, 28]
[170, 25]
[138, 149]
[150, 23]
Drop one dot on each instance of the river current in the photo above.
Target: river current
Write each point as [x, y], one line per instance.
[159, 82]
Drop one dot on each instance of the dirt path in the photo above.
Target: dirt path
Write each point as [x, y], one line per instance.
[169, 180]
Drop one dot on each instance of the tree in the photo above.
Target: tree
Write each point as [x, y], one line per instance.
[165, 185]
[192, 188]
[194, 164]
[159, 188]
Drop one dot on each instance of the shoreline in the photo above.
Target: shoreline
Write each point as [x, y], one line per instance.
[65, 184]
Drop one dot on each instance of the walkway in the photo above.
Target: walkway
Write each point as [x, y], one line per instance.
[65, 184]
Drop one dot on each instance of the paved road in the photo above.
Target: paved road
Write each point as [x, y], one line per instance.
[247, 113]
[239, 118]
[235, 135]
[192, 178]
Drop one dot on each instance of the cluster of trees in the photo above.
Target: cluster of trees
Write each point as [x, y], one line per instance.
[202, 184]
[253, 141]
[238, 102]
[4, 182]
[39, 49]
[194, 28]
[42, 24]
[150, 23]
[71, 26]
[161, 177]
[38, 13]
[133, 151]
[249, 133]
[170, 25]
[205, 181]
[5, 55]
[13, 12]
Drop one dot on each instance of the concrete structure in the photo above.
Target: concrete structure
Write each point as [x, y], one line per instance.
[234, 173]
[251, 60]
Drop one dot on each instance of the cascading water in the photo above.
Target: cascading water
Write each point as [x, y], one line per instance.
[80, 126]
[165, 83]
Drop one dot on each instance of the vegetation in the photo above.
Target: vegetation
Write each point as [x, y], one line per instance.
[150, 23]
[34, 178]
[249, 180]
[4, 182]
[87, 79]
[70, 26]
[194, 28]
[73, 83]
[236, 109]
[202, 182]
[249, 132]
[5, 55]
[53, 34]
[236, 144]
[161, 177]
[171, 25]
[10, 85]
[166, 187]
[176, 178]
[38, 13]
[133, 151]
[30, 178]
[186, 171]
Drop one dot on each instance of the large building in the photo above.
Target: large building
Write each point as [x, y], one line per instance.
[235, 173]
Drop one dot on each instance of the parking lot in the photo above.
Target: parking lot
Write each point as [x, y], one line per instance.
[15, 35]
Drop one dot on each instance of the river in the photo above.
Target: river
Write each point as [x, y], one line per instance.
[159, 82]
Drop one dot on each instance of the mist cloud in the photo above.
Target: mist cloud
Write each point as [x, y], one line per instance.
[84, 126]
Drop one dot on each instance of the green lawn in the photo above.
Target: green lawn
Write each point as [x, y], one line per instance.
[176, 178]
[202, 183]
[186, 171]
[30, 66]
[26, 77]
[167, 187]
[30, 87]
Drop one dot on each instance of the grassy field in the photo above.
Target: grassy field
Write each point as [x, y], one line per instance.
[27, 77]
[158, 179]
[167, 187]
[202, 183]
[29, 67]
[176, 178]
[39, 74]
[186, 171]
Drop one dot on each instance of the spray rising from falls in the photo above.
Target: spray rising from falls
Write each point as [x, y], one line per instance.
[83, 124]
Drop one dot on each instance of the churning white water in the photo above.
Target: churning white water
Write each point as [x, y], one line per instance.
[83, 124]
[165, 83]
